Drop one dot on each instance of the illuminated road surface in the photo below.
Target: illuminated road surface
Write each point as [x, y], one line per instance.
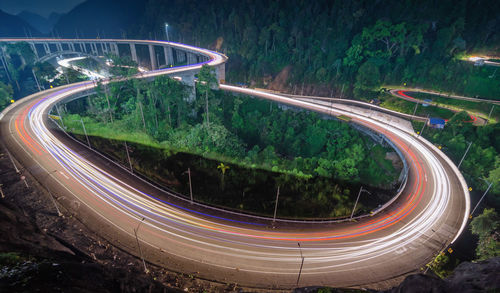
[429, 214]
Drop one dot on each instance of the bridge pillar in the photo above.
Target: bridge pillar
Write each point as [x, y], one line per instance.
[133, 53]
[104, 48]
[191, 58]
[46, 47]
[220, 72]
[95, 51]
[181, 56]
[169, 58]
[33, 48]
[72, 47]
[59, 47]
[152, 57]
[83, 49]
[114, 49]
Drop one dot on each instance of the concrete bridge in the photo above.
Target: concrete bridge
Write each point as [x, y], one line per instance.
[153, 55]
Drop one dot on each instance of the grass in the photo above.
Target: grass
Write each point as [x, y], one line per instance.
[117, 131]
[10, 258]
[475, 107]
[393, 103]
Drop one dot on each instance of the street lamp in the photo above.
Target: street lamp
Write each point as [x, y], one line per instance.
[166, 30]
[357, 199]
[484, 194]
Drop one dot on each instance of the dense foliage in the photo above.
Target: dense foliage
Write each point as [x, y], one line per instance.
[482, 160]
[248, 131]
[358, 43]
[486, 226]
[19, 68]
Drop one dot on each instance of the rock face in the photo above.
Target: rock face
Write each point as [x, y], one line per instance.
[468, 277]
[475, 277]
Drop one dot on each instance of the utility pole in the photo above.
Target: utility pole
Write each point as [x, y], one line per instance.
[12, 160]
[166, 30]
[138, 244]
[52, 196]
[422, 130]
[60, 117]
[357, 199]
[190, 186]
[4, 63]
[206, 102]
[488, 189]
[414, 111]
[276, 204]
[342, 91]
[1, 191]
[489, 115]
[85, 131]
[128, 156]
[54, 201]
[466, 151]
[301, 264]
[36, 80]
[109, 105]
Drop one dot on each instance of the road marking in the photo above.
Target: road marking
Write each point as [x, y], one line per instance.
[400, 250]
[65, 176]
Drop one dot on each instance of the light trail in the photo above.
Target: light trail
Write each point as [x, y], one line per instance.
[432, 208]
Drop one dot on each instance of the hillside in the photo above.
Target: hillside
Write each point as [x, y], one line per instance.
[103, 18]
[14, 26]
[43, 24]
[334, 43]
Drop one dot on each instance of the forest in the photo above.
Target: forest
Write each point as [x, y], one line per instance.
[345, 46]
[239, 130]
[332, 48]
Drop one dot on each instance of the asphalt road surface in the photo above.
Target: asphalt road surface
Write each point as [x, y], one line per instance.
[428, 215]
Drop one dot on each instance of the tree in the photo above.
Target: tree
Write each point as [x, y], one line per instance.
[206, 81]
[392, 36]
[18, 56]
[494, 177]
[368, 78]
[122, 66]
[486, 223]
[6, 93]
[486, 227]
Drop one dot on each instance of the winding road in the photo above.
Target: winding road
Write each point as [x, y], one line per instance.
[476, 118]
[428, 215]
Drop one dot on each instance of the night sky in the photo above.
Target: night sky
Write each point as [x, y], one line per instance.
[41, 7]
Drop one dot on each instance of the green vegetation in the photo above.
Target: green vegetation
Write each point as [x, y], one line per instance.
[331, 43]
[486, 226]
[397, 104]
[443, 265]
[6, 95]
[482, 160]
[243, 133]
[484, 108]
[11, 258]
[240, 188]
[248, 132]
[17, 77]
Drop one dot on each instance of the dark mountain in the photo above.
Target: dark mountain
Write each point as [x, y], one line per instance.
[43, 24]
[14, 26]
[54, 18]
[103, 18]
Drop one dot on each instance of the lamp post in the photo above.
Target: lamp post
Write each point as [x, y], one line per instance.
[465, 154]
[301, 264]
[166, 31]
[139, 245]
[357, 199]
[484, 194]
